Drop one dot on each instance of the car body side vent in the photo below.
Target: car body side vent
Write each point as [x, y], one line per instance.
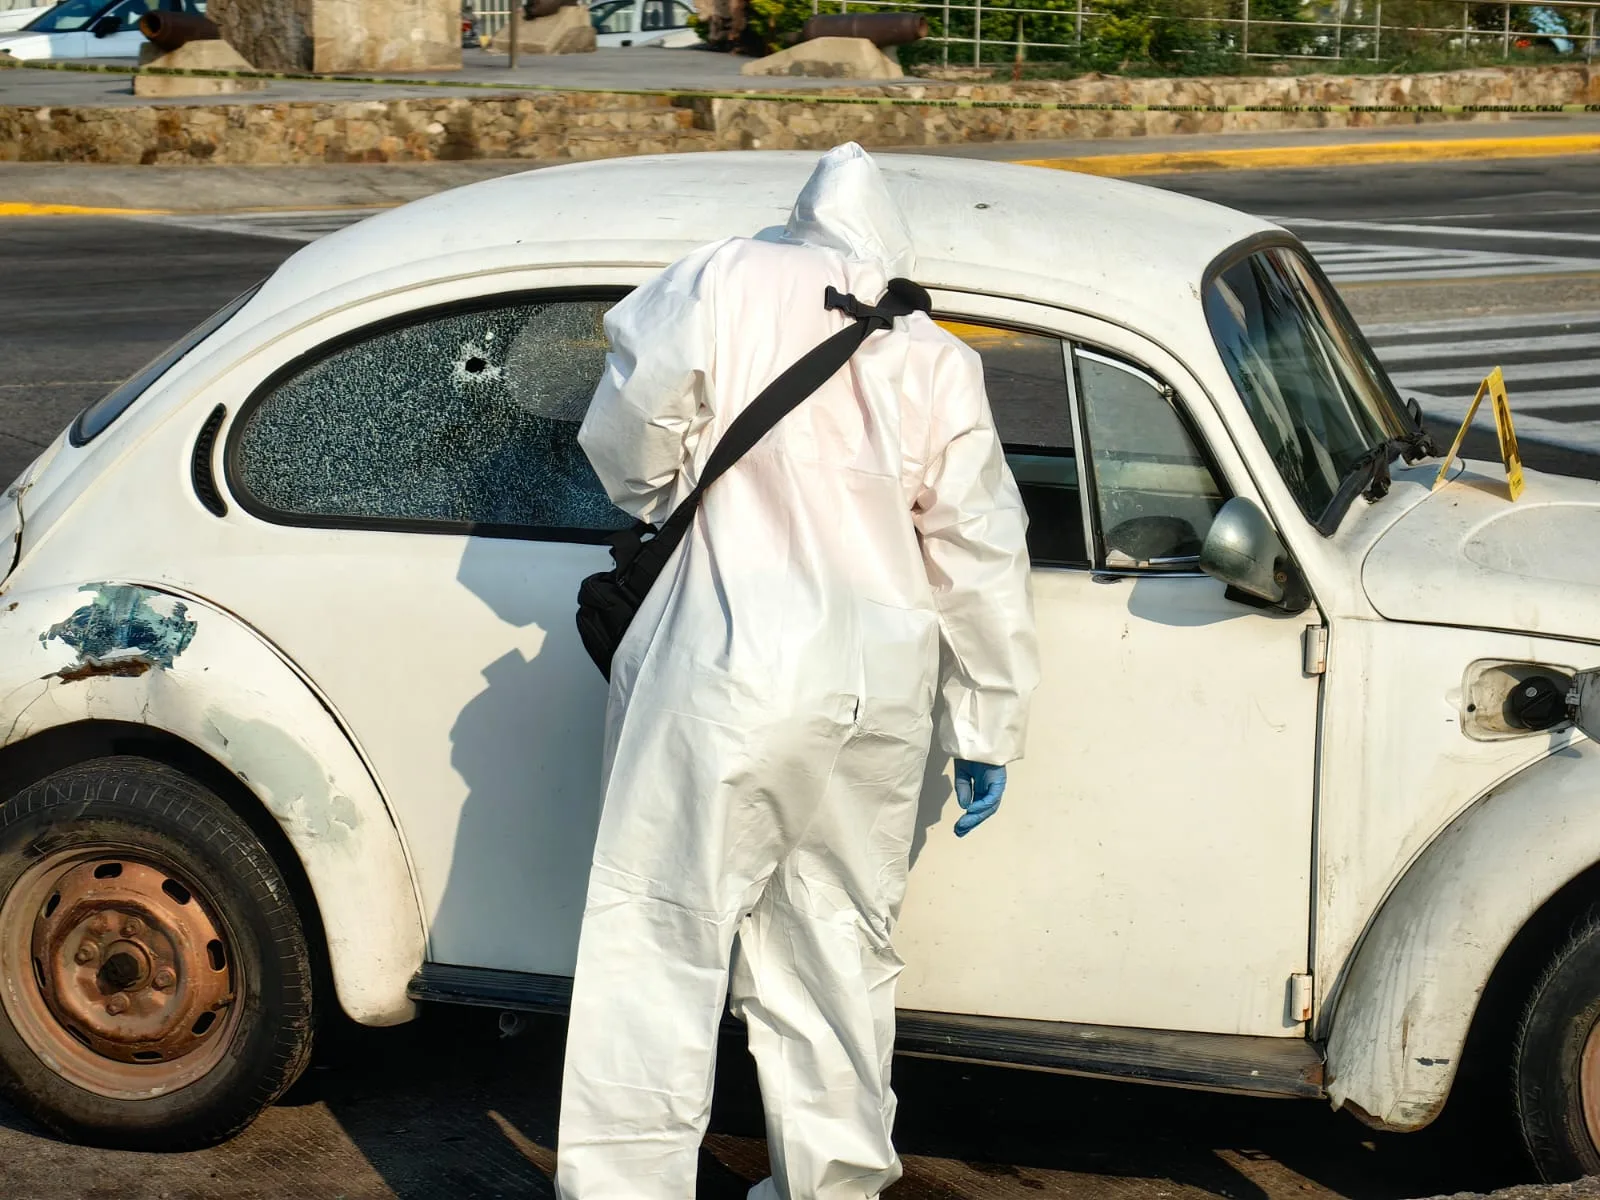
[205, 479]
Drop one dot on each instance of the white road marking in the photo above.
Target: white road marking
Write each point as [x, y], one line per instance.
[1346, 262]
[1465, 231]
[1549, 361]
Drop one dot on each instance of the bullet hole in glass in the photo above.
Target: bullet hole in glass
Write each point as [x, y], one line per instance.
[459, 417]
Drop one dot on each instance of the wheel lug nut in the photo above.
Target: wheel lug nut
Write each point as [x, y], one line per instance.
[117, 1004]
[164, 979]
[131, 927]
[86, 954]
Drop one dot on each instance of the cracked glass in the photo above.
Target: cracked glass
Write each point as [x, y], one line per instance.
[461, 418]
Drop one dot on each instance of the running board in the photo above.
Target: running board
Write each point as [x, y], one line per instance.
[487, 988]
[1262, 1066]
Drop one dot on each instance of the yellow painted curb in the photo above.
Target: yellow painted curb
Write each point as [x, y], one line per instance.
[1346, 154]
[11, 208]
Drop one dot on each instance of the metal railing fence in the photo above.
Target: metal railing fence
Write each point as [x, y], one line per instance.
[996, 32]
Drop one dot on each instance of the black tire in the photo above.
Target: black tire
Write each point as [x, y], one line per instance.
[1556, 1027]
[155, 815]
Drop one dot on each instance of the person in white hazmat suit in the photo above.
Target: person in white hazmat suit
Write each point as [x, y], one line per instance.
[772, 705]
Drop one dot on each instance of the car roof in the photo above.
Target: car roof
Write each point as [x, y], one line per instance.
[1129, 253]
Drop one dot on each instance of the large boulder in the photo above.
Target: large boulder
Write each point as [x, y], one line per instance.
[828, 58]
[342, 35]
[566, 31]
[208, 55]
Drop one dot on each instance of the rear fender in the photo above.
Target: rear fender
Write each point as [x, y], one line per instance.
[129, 653]
[1402, 1015]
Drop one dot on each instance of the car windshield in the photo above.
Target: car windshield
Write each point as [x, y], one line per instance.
[1308, 379]
[68, 16]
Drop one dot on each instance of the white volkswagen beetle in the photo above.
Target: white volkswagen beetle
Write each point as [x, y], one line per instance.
[295, 714]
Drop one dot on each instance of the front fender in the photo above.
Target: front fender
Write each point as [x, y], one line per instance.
[124, 652]
[1401, 1018]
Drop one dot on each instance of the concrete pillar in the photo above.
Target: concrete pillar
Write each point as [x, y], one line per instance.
[342, 35]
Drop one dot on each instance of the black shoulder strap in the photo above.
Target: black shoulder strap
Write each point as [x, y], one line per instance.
[805, 376]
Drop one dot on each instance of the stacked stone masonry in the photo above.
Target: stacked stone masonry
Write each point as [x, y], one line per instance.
[583, 125]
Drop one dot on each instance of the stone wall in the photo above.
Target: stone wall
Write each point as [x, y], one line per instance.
[598, 125]
[336, 36]
[782, 124]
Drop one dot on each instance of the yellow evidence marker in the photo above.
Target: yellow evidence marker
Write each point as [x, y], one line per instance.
[1495, 386]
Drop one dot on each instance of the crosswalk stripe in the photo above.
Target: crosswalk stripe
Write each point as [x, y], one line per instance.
[1488, 347]
[1379, 334]
[1461, 231]
[1352, 262]
[1522, 371]
[1442, 363]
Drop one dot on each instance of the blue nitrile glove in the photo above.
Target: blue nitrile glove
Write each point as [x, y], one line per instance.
[978, 790]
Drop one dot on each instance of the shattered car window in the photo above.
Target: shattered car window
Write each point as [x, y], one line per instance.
[462, 418]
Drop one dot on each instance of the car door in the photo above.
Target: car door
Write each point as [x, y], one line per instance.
[1150, 866]
[408, 519]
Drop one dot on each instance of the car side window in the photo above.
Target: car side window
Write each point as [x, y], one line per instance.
[446, 421]
[655, 15]
[1155, 492]
[1025, 375]
[129, 14]
[613, 18]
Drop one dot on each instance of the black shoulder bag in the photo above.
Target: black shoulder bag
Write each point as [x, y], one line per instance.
[608, 601]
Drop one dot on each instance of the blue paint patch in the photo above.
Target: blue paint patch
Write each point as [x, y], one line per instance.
[120, 624]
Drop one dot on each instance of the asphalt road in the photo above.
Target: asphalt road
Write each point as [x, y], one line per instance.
[447, 1108]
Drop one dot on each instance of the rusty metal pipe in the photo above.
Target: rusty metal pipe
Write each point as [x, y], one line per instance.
[534, 9]
[881, 29]
[169, 30]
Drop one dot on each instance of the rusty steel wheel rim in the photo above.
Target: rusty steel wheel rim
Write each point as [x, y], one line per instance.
[116, 972]
[1589, 1083]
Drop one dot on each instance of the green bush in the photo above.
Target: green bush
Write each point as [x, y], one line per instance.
[770, 22]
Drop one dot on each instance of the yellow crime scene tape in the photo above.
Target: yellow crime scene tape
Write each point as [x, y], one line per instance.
[797, 97]
[1495, 387]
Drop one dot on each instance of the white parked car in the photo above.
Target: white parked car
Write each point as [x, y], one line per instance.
[667, 23]
[88, 28]
[292, 691]
[12, 19]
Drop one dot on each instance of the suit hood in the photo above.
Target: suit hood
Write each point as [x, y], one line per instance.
[846, 206]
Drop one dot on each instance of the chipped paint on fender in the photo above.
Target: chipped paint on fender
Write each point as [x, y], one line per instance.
[293, 785]
[139, 654]
[124, 630]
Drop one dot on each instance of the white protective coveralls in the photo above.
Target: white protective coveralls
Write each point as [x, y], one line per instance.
[771, 707]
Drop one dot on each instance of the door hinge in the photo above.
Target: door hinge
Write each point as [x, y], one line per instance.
[1299, 998]
[1315, 650]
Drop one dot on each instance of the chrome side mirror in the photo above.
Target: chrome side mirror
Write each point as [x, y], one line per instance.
[1583, 702]
[1243, 551]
